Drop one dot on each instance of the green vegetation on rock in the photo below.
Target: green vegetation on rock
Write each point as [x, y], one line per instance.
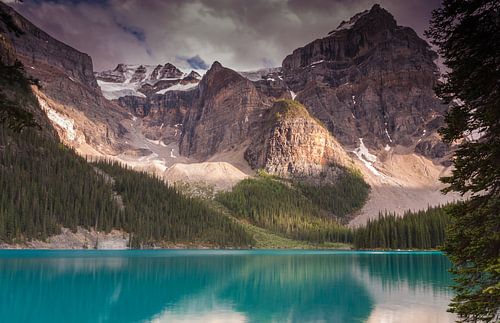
[289, 109]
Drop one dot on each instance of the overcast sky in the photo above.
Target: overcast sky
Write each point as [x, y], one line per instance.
[241, 34]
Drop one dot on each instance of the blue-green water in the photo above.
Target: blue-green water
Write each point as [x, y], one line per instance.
[223, 286]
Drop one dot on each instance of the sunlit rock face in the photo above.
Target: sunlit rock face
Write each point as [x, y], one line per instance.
[293, 144]
[370, 79]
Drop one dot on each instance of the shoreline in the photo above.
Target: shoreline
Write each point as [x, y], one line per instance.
[4, 247]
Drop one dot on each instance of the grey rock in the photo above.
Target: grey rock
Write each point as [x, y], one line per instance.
[370, 79]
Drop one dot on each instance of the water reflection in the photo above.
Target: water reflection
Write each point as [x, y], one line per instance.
[187, 286]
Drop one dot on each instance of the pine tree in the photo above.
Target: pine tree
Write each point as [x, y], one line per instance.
[467, 34]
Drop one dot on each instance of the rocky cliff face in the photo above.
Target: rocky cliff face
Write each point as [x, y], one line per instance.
[162, 115]
[36, 46]
[69, 91]
[371, 79]
[291, 143]
[7, 51]
[227, 112]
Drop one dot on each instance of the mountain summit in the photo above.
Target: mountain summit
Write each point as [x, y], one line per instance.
[375, 18]
[371, 79]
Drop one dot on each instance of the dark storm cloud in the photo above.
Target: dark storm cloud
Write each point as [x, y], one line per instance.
[240, 34]
[138, 33]
[197, 62]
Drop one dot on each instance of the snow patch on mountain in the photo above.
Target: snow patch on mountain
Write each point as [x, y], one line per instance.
[178, 87]
[257, 75]
[113, 91]
[366, 157]
[67, 125]
[350, 23]
[137, 80]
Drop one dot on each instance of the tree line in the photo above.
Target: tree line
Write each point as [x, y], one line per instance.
[424, 229]
[283, 207]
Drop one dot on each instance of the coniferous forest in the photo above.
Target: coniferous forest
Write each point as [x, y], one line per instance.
[272, 204]
[46, 186]
[418, 230]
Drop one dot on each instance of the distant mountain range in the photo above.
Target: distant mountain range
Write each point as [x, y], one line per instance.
[144, 80]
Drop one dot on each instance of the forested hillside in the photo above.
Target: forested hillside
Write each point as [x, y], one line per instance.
[154, 213]
[46, 186]
[349, 194]
[295, 210]
[306, 212]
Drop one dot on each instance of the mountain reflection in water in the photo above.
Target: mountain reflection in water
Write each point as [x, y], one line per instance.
[223, 286]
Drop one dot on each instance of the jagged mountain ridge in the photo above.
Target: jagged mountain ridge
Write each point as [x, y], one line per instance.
[220, 119]
[144, 80]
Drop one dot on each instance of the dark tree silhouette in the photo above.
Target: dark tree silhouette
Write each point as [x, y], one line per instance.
[467, 34]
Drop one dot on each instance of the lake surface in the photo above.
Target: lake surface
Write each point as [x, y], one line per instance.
[223, 286]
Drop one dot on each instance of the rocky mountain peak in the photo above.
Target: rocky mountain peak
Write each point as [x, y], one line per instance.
[144, 80]
[218, 77]
[215, 66]
[371, 79]
[169, 71]
[193, 76]
[227, 113]
[120, 68]
[35, 45]
[69, 95]
[377, 18]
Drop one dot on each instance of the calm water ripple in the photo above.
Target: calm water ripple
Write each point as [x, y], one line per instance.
[223, 286]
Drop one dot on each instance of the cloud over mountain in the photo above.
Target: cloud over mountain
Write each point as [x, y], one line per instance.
[241, 34]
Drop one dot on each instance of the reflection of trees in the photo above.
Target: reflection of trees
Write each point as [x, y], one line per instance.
[299, 288]
[292, 287]
[135, 291]
[426, 270]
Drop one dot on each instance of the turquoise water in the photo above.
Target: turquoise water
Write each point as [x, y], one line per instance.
[223, 286]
